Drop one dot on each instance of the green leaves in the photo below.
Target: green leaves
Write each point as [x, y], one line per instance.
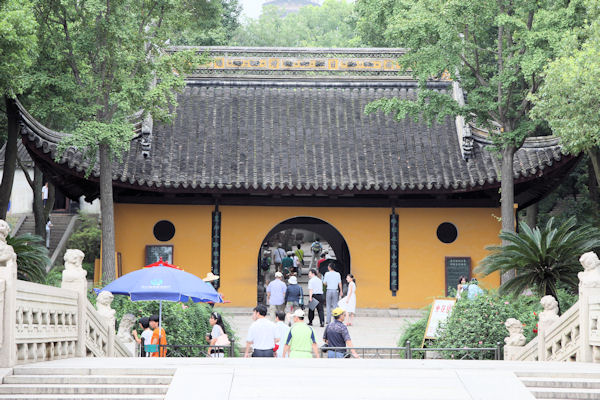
[541, 257]
[32, 257]
[17, 44]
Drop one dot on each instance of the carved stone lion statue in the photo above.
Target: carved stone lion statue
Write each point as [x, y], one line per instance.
[590, 276]
[73, 266]
[8, 257]
[103, 304]
[515, 331]
[125, 328]
[550, 313]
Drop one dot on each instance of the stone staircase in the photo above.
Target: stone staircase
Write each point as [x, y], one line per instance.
[60, 222]
[85, 383]
[562, 385]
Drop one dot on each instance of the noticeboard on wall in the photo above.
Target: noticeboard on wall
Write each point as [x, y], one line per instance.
[155, 252]
[440, 310]
[455, 268]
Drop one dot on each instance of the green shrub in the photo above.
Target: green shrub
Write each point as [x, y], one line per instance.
[415, 332]
[87, 238]
[184, 326]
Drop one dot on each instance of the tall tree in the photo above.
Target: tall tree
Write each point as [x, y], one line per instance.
[17, 47]
[495, 49]
[108, 57]
[328, 25]
[569, 97]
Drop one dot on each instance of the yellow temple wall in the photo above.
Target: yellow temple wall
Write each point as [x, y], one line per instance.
[366, 231]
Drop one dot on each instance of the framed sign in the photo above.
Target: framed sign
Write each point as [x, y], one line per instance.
[440, 310]
[155, 252]
[455, 268]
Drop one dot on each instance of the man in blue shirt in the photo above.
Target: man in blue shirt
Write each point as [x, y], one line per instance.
[276, 294]
[333, 281]
[336, 335]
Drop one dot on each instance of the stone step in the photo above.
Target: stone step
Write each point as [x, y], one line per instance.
[566, 393]
[93, 371]
[83, 396]
[34, 388]
[89, 379]
[578, 383]
[557, 375]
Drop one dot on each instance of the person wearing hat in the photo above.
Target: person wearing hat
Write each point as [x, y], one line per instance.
[276, 294]
[336, 335]
[294, 297]
[210, 277]
[301, 339]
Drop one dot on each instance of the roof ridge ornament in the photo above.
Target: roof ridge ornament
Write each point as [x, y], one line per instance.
[463, 130]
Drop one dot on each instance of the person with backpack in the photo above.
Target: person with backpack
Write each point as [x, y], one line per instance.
[316, 247]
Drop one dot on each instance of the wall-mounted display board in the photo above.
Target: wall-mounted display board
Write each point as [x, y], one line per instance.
[455, 268]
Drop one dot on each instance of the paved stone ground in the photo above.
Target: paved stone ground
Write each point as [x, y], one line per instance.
[239, 378]
[371, 328]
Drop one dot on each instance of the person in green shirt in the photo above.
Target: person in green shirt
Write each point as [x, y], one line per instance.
[287, 263]
[301, 339]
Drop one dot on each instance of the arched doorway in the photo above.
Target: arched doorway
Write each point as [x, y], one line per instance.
[303, 230]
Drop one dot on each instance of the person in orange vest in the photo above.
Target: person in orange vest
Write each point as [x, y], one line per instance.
[159, 336]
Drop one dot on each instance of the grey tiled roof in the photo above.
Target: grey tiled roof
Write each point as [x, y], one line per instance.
[302, 136]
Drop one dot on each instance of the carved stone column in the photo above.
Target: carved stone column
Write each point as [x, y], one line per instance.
[589, 308]
[74, 278]
[8, 303]
[103, 303]
[515, 342]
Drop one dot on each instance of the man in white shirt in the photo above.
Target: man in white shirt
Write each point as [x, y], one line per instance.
[276, 294]
[281, 332]
[333, 281]
[261, 334]
[315, 291]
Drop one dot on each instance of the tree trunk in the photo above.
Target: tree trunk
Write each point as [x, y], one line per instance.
[108, 219]
[38, 203]
[10, 155]
[531, 217]
[595, 159]
[507, 198]
[593, 187]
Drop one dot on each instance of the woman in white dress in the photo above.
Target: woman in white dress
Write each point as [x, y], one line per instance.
[348, 303]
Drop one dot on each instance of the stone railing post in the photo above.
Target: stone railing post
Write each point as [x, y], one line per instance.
[515, 341]
[103, 303]
[8, 300]
[589, 308]
[547, 318]
[74, 278]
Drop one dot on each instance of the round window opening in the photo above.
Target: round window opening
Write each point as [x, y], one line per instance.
[447, 232]
[164, 230]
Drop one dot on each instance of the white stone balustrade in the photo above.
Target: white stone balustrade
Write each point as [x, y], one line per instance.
[40, 322]
[575, 335]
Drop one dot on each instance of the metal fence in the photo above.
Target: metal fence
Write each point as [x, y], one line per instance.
[404, 352]
[408, 352]
[197, 350]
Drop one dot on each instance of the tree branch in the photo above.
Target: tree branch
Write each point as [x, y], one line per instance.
[72, 63]
[29, 180]
[480, 78]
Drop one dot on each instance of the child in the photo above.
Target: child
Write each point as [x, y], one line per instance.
[146, 335]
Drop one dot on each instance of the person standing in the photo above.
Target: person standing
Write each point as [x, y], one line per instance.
[159, 337]
[287, 263]
[316, 247]
[333, 282]
[278, 255]
[294, 297]
[301, 339]
[336, 335]
[315, 291]
[300, 254]
[48, 228]
[276, 293]
[218, 329]
[281, 332]
[45, 194]
[261, 334]
[146, 336]
[348, 303]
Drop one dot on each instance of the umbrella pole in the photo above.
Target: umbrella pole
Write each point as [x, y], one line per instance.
[159, 325]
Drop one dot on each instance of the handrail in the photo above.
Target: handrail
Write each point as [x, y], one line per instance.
[63, 241]
[22, 219]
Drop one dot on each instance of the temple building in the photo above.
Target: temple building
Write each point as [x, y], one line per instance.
[267, 139]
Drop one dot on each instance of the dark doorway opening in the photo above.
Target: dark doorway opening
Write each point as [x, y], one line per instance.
[303, 230]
